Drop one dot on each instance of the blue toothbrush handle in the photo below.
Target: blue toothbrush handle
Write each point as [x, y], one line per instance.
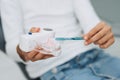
[71, 38]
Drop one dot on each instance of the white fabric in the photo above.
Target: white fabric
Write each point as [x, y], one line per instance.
[9, 70]
[66, 17]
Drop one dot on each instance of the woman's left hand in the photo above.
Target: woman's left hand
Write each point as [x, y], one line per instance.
[100, 35]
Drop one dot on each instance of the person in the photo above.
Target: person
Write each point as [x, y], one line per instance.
[69, 18]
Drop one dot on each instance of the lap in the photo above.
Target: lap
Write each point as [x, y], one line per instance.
[89, 67]
[77, 74]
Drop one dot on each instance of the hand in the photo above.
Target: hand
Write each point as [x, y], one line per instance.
[35, 54]
[100, 35]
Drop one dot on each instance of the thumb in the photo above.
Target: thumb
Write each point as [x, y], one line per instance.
[35, 29]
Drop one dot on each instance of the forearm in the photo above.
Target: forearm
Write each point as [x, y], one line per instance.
[86, 14]
[12, 26]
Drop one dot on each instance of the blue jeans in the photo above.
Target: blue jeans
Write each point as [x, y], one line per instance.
[91, 65]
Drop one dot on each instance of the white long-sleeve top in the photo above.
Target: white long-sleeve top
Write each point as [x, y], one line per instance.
[9, 70]
[66, 17]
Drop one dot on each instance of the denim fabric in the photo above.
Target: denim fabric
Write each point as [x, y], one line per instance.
[90, 65]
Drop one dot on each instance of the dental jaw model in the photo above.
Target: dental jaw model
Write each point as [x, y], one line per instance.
[44, 39]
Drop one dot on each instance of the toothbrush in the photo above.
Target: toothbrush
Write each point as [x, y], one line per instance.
[69, 38]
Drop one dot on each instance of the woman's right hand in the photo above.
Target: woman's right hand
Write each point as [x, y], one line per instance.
[34, 55]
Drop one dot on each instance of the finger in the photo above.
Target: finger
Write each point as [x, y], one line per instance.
[34, 29]
[107, 44]
[95, 38]
[46, 57]
[30, 55]
[49, 54]
[46, 53]
[94, 30]
[99, 35]
[39, 56]
[105, 38]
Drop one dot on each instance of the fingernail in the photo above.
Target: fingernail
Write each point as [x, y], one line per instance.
[85, 38]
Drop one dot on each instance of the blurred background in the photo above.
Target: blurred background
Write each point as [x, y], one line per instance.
[107, 10]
